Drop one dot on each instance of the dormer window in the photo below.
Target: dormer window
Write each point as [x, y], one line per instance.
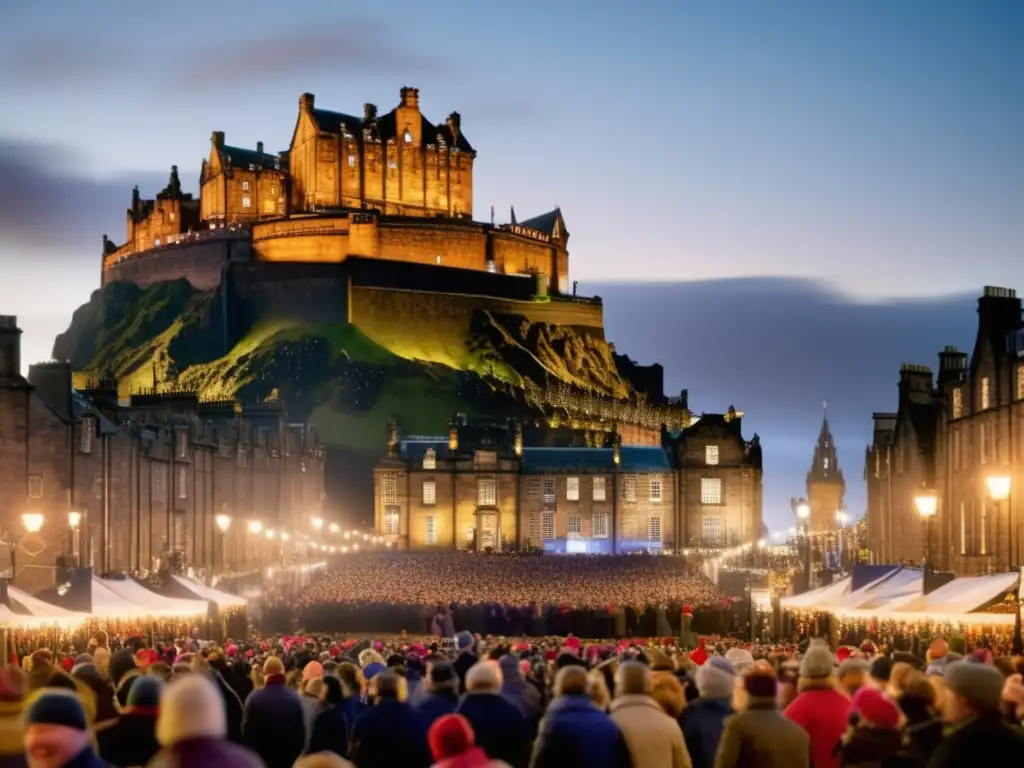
[407, 136]
[430, 459]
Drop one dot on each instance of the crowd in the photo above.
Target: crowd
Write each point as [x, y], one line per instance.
[322, 701]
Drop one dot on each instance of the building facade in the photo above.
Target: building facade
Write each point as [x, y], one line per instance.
[826, 487]
[123, 486]
[957, 435]
[480, 488]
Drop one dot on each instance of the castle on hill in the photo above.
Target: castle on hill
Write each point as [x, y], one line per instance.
[393, 187]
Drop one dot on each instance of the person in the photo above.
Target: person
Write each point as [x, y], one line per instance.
[192, 728]
[12, 705]
[525, 696]
[452, 744]
[972, 706]
[575, 732]
[132, 740]
[274, 724]
[875, 738]
[442, 694]
[499, 726]
[853, 673]
[654, 739]
[703, 720]
[390, 733]
[330, 729]
[758, 735]
[57, 733]
[820, 709]
[920, 708]
[312, 693]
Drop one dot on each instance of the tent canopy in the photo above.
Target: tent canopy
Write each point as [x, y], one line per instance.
[148, 601]
[818, 597]
[223, 600]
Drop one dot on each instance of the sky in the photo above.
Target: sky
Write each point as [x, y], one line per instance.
[862, 158]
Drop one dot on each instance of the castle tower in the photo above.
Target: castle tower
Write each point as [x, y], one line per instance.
[826, 488]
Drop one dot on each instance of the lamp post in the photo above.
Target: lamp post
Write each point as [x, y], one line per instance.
[927, 503]
[33, 522]
[223, 522]
[74, 521]
[803, 512]
[999, 490]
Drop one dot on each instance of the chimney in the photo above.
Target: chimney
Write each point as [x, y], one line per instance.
[952, 366]
[369, 112]
[53, 385]
[259, 148]
[455, 125]
[10, 350]
[136, 202]
[998, 311]
[217, 139]
[306, 102]
[915, 378]
[411, 97]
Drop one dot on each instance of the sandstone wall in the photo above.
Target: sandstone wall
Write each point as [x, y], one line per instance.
[199, 262]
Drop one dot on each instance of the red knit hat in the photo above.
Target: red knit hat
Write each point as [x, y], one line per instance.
[877, 708]
[450, 735]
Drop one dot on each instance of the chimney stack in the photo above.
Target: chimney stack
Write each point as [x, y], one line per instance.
[998, 311]
[259, 148]
[53, 385]
[369, 112]
[217, 139]
[915, 378]
[10, 351]
[411, 97]
[306, 102]
[952, 366]
[455, 125]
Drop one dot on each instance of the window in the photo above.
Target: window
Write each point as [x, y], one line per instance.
[486, 492]
[181, 443]
[245, 186]
[549, 490]
[963, 530]
[178, 532]
[159, 477]
[547, 526]
[983, 438]
[431, 529]
[430, 459]
[958, 403]
[824, 463]
[392, 163]
[654, 530]
[429, 493]
[486, 459]
[35, 486]
[574, 524]
[956, 449]
[389, 488]
[711, 455]
[408, 136]
[243, 457]
[711, 529]
[711, 490]
[391, 521]
[599, 489]
[1020, 382]
[572, 488]
[351, 161]
[86, 437]
[246, 202]
[629, 487]
[600, 525]
[656, 490]
[986, 394]
[984, 530]
[182, 483]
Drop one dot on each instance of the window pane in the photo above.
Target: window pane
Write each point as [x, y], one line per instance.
[430, 459]
[575, 524]
[629, 487]
[656, 489]
[547, 528]
[711, 490]
[487, 494]
[389, 488]
[654, 529]
[711, 454]
[600, 526]
[572, 488]
[391, 518]
[431, 530]
[599, 491]
[429, 492]
[549, 490]
[711, 529]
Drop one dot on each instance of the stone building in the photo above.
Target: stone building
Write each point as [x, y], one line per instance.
[240, 186]
[826, 488]
[125, 485]
[955, 435]
[481, 488]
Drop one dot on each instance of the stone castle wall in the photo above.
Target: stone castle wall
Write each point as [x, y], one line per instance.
[201, 262]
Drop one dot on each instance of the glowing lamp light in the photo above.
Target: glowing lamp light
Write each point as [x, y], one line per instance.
[74, 519]
[344, 549]
[355, 547]
[255, 526]
[998, 487]
[366, 536]
[223, 522]
[285, 537]
[318, 523]
[803, 511]
[348, 535]
[927, 502]
[332, 549]
[841, 517]
[686, 553]
[761, 543]
[387, 543]
[333, 528]
[270, 533]
[33, 521]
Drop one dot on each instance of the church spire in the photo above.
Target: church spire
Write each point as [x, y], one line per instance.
[825, 465]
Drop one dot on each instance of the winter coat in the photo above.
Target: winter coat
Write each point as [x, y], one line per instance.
[131, 740]
[986, 739]
[702, 722]
[575, 732]
[234, 710]
[205, 753]
[85, 759]
[311, 707]
[761, 737]
[499, 726]
[823, 712]
[12, 735]
[473, 758]
[435, 705]
[329, 732]
[870, 747]
[654, 739]
[275, 724]
[527, 700]
[388, 735]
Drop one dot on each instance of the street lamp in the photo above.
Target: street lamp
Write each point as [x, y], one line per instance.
[74, 519]
[999, 490]
[927, 503]
[223, 522]
[255, 526]
[33, 521]
[318, 523]
[270, 533]
[333, 528]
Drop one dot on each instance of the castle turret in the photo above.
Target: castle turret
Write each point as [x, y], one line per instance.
[369, 112]
[826, 488]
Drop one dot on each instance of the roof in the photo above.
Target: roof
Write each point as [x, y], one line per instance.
[634, 458]
[331, 122]
[83, 406]
[237, 157]
[544, 223]
[414, 448]
[327, 120]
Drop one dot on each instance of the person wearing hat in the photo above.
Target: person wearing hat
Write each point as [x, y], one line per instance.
[759, 736]
[972, 706]
[703, 720]
[390, 733]
[853, 675]
[274, 725]
[525, 696]
[819, 708]
[441, 695]
[57, 733]
[132, 739]
[452, 743]
[875, 736]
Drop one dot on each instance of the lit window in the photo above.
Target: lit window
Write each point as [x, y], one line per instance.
[710, 455]
[824, 463]
[983, 438]
[549, 490]
[351, 161]
[35, 486]
[547, 526]
[86, 442]
[245, 186]
[172, 216]
[392, 163]
[408, 136]
[656, 490]
[654, 529]
[389, 488]
[958, 403]
[178, 532]
[430, 459]
[575, 524]
[182, 483]
[711, 529]
[431, 529]
[391, 518]
[1020, 382]
[429, 493]
[629, 487]
[963, 530]
[599, 489]
[181, 440]
[246, 202]
[486, 492]
[711, 490]
[985, 393]
[572, 488]
[601, 525]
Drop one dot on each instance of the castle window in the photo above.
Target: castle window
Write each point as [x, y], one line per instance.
[656, 490]
[245, 186]
[549, 490]
[824, 463]
[955, 451]
[391, 521]
[408, 136]
[172, 215]
[429, 493]
[351, 161]
[711, 490]
[85, 446]
[572, 488]
[983, 438]
[182, 483]
[711, 530]
[430, 459]
[431, 537]
[547, 526]
[986, 399]
[35, 486]
[654, 530]
[156, 241]
[599, 489]
[389, 488]
[1020, 382]
[629, 487]
[711, 455]
[600, 525]
[181, 443]
[574, 525]
[486, 492]
[178, 532]
[246, 202]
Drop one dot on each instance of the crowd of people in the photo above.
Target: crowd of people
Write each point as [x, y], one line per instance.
[485, 701]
